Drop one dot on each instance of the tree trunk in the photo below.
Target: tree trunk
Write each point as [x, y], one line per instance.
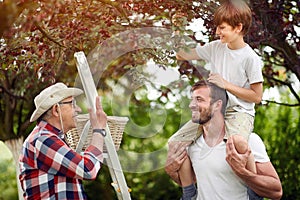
[15, 145]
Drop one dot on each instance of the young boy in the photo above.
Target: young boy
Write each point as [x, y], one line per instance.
[236, 68]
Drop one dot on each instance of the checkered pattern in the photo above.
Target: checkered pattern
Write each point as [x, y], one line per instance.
[52, 170]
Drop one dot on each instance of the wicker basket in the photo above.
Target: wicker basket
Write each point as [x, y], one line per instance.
[116, 126]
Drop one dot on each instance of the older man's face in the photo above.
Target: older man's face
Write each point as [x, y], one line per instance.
[69, 112]
[200, 105]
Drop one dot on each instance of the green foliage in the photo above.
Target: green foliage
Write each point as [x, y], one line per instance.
[279, 128]
[154, 185]
[8, 183]
[143, 150]
[100, 188]
[38, 41]
[277, 125]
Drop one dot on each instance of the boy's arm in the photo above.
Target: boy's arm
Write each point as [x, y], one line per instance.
[188, 54]
[253, 94]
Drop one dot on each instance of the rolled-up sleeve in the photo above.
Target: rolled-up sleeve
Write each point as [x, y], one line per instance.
[55, 157]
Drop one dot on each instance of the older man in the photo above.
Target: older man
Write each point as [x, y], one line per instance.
[50, 169]
[220, 171]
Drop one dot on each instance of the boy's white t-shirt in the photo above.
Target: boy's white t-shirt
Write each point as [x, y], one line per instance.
[215, 178]
[240, 67]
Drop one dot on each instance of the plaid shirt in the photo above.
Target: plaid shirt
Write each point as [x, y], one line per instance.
[50, 169]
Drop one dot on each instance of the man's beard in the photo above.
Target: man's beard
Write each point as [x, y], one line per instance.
[205, 116]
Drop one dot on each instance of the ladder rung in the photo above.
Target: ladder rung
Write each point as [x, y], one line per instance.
[115, 185]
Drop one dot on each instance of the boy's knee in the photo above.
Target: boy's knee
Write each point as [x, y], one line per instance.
[240, 144]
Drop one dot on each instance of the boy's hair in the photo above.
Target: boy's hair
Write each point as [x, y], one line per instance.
[234, 12]
[216, 93]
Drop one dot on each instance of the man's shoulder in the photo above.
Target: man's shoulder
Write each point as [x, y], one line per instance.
[197, 144]
[254, 137]
[258, 148]
[255, 141]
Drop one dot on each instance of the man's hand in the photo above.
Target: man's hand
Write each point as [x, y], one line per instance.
[176, 156]
[236, 161]
[265, 182]
[99, 117]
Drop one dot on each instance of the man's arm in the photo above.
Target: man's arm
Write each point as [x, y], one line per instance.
[55, 157]
[265, 182]
[176, 156]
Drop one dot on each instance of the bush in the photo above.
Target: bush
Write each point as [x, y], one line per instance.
[8, 182]
[279, 128]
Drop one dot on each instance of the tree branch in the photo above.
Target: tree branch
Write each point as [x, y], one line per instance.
[11, 94]
[289, 85]
[283, 104]
[116, 5]
[46, 34]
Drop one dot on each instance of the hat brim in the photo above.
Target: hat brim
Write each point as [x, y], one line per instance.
[52, 99]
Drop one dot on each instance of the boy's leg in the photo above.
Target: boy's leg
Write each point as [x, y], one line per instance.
[189, 132]
[240, 125]
[186, 175]
[241, 146]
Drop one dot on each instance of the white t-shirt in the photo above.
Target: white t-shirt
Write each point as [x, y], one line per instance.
[240, 67]
[215, 178]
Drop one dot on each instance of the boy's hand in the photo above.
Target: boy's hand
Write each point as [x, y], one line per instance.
[179, 19]
[217, 80]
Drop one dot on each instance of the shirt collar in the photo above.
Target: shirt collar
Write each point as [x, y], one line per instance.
[49, 127]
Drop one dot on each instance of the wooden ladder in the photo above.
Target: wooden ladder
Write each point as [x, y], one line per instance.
[111, 157]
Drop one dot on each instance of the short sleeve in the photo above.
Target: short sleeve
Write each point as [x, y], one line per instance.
[206, 51]
[258, 148]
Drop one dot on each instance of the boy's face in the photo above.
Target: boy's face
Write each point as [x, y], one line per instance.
[227, 33]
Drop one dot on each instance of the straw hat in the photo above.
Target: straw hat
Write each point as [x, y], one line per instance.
[50, 96]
